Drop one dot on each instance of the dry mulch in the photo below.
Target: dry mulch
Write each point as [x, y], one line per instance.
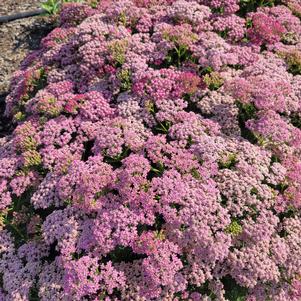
[17, 39]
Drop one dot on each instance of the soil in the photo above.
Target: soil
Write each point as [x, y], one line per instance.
[17, 39]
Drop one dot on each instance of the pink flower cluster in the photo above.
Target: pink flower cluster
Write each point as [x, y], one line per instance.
[156, 156]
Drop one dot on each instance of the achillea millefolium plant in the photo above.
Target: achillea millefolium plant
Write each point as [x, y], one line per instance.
[156, 155]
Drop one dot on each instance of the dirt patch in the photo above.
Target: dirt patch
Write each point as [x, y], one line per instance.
[17, 39]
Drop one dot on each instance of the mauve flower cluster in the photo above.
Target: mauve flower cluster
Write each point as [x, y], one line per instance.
[156, 155]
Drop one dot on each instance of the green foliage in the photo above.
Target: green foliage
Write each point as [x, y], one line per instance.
[34, 294]
[296, 120]
[125, 79]
[204, 289]
[247, 6]
[213, 80]
[229, 163]
[234, 228]
[20, 205]
[178, 55]
[275, 159]
[246, 112]
[290, 38]
[224, 33]
[195, 174]
[180, 52]
[290, 212]
[49, 108]
[158, 169]
[123, 254]
[293, 61]
[281, 187]
[163, 127]
[218, 10]
[123, 19]
[101, 193]
[52, 7]
[115, 161]
[189, 142]
[151, 107]
[19, 116]
[118, 50]
[234, 292]
[254, 191]
[37, 82]
[32, 158]
[295, 11]
[206, 70]
[93, 3]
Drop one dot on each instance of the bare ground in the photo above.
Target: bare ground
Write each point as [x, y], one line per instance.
[17, 39]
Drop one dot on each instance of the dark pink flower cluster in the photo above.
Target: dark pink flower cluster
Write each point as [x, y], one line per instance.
[156, 155]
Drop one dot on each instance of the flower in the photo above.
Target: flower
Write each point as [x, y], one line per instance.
[155, 155]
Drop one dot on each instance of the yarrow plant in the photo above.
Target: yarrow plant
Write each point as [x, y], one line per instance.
[156, 155]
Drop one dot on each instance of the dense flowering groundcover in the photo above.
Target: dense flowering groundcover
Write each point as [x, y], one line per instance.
[156, 155]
